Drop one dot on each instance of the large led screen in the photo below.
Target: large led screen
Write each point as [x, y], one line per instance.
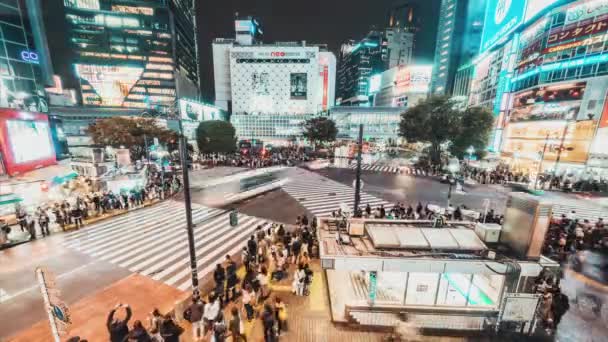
[110, 84]
[29, 140]
[502, 18]
[298, 85]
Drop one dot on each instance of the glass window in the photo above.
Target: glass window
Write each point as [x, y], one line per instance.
[421, 288]
[453, 289]
[12, 33]
[11, 17]
[485, 290]
[391, 287]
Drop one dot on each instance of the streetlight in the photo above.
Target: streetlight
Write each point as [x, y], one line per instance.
[453, 168]
[470, 151]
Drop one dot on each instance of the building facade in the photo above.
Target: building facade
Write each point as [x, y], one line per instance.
[400, 44]
[140, 54]
[544, 74]
[379, 123]
[359, 61]
[403, 86]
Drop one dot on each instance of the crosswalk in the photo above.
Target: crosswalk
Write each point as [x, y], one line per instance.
[375, 168]
[153, 241]
[321, 196]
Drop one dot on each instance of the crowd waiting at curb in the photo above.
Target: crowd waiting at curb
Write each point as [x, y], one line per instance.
[64, 215]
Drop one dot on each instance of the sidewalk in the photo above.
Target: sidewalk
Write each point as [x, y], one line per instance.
[90, 313]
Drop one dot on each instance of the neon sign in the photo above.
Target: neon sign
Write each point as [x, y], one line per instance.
[29, 56]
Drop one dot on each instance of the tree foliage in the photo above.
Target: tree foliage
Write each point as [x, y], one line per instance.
[216, 136]
[437, 121]
[320, 130]
[475, 128]
[129, 133]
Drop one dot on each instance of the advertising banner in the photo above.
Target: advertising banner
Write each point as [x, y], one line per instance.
[604, 118]
[502, 18]
[196, 111]
[298, 86]
[562, 34]
[111, 84]
[325, 86]
[415, 78]
[586, 9]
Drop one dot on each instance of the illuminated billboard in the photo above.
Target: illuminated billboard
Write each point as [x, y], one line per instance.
[501, 19]
[110, 84]
[413, 79]
[299, 86]
[585, 9]
[25, 141]
[558, 102]
[196, 111]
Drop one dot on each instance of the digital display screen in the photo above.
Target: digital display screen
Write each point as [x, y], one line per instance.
[502, 18]
[298, 86]
[111, 84]
[29, 140]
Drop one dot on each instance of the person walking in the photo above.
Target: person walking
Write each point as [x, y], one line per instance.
[118, 328]
[211, 312]
[77, 216]
[195, 313]
[43, 222]
[268, 322]
[236, 326]
[219, 276]
[154, 321]
[231, 279]
[21, 216]
[248, 297]
[298, 281]
[280, 315]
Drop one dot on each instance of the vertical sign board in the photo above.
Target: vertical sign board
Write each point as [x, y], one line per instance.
[373, 283]
[325, 86]
[502, 18]
[57, 310]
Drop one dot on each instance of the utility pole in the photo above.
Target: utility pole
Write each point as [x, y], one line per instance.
[559, 155]
[183, 150]
[358, 174]
[540, 163]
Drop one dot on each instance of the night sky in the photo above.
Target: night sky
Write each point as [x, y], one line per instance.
[316, 21]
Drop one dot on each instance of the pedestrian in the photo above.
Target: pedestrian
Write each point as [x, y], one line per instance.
[560, 305]
[154, 321]
[299, 277]
[268, 322]
[118, 328]
[231, 279]
[31, 226]
[21, 216]
[248, 297]
[262, 279]
[252, 247]
[169, 330]
[43, 222]
[219, 276]
[236, 326]
[77, 216]
[138, 333]
[194, 314]
[211, 312]
[280, 315]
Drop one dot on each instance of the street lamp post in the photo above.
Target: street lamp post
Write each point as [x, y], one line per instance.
[540, 163]
[183, 150]
[358, 173]
[452, 168]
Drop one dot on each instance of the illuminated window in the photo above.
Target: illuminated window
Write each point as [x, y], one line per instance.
[136, 57]
[139, 32]
[157, 75]
[139, 89]
[159, 66]
[116, 21]
[164, 91]
[84, 4]
[133, 9]
[164, 35]
[160, 59]
[135, 97]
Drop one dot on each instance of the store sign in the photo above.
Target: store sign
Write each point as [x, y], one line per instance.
[502, 18]
[325, 86]
[586, 10]
[587, 41]
[416, 78]
[576, 32]
[373, 285]
[30, 57]
[281, 54]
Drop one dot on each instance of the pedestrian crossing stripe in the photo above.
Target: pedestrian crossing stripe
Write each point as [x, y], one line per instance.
[153, 241]
[375, 168]
[321, 196]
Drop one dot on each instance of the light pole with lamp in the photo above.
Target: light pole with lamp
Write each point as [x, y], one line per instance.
[470, 151]
[453, 168]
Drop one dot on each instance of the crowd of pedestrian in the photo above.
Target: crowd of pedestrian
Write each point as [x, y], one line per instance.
[277, 156]
[73, 213]
[270, 256]
[568, 235]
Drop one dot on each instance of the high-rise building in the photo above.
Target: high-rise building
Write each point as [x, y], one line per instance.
[138, 54]
[21, 78]
[452, 17]
[359, 61]
[400, 45]
[403, 15]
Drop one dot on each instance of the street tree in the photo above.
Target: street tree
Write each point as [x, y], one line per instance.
[434, 121]
[320, 130]
[216, 136]
[130, 133]
[475, 128]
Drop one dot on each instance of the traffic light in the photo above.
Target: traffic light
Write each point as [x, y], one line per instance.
[234, 218]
